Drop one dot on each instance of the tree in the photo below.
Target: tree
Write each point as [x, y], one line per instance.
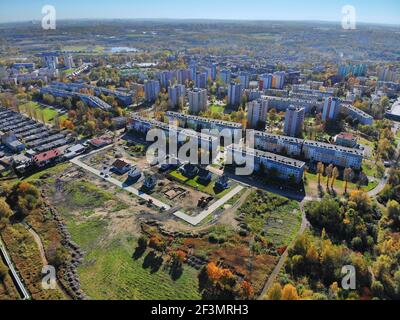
[247, 291]
[393, 210]
[91, 127]
[25, 199]
[275, 293]
[289, 292]
[3, 271]
[49, 99]
[335, 175]
[320, 171]
[328, 172]
[347, 177]
[5, 213]
[361, 201]
[143, 242]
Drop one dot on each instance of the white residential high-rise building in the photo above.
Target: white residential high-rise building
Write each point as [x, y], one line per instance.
[176, 95]
[183, 75]
[385, 74]
[278, 80]
[69, 61]
[225, 76]
[244, 79]
[257, 111]
[331, 109]
[267, 81]
[197, 100]
[294, 121]
[152, 89]
[235, 93]
[51, 61]
[201, 80]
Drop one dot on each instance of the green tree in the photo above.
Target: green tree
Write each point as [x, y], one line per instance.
[275, 293]
[5, 213]
[393, 210]
[3, 271]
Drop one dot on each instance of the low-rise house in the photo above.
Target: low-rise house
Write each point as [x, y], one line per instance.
[48, 157]
[150, 182]
[189, 170]
[100, 142]
[205, 177]
[119, 122]
[74, 151]
[11, 142]
[222, 183]
[121, 167]
[135, 173]
[346, 140]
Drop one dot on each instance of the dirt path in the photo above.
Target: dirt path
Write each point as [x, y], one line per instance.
[283, 258]
[39, 243]
[228, 217]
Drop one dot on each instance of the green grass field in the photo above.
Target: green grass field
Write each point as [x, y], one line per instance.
[86, 195]
[209, 189]
[216, 109]
[109, 270]
[49, 172]
[277, 217]
[40, 113]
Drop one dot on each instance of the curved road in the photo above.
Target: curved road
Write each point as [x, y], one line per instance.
[39, 243]
[284, 256]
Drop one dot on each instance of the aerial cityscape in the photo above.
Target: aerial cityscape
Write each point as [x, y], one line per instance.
[156, 153]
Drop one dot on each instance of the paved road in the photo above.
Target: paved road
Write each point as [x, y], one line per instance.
[382, 184]
[120, 184]
[194, 221]
[21, 287]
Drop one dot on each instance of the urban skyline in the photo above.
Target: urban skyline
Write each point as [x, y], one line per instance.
[381, 12]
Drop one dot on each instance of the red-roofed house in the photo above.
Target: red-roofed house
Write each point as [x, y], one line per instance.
[346, 139]
[100, 142]
[45, 158]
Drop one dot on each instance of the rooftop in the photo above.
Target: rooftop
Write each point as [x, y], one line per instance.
[45, 156]
[286, 139]
[197, 118]
[267, 155]
[334, 147]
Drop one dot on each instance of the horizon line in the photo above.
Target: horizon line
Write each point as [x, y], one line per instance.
[204, 19]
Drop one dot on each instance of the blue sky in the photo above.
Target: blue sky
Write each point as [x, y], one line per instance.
[376, 11]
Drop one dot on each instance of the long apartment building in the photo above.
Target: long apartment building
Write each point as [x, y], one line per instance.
[309, 150]
[357, 114]
[284, 167]
[198, 123]
[123, 97]
[283, 103]
[278, 144]
[143, 126]
[333, 154]
[92, 101]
